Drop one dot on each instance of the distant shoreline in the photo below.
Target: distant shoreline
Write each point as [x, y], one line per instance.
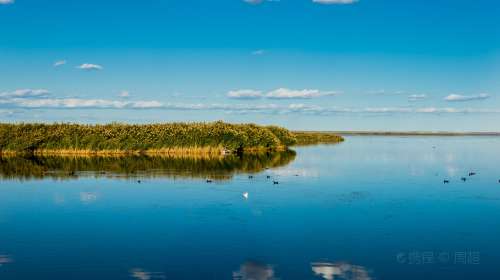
[410, 133]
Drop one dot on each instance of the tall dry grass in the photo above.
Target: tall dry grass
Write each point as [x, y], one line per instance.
[116, 138]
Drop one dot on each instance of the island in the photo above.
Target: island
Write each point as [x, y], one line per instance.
[181, 139]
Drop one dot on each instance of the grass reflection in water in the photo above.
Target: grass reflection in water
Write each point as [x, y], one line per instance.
[217, 168]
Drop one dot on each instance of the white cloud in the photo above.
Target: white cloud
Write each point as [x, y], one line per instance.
[124, 94]
[280, 93]
[145, 104]
[68, 103]
[258, 52]
[60, 63]
[24, 93]
[458, 97]
[333, 2]
[89, 67]
[386, 92]
[4, 2]
[416, 97]
[378, 91]
[245, 94]
[23, 100]
[284, 93]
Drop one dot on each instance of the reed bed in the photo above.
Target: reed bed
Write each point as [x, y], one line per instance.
[170, 139]
[304, 138]
[166, 152]
[166, 138]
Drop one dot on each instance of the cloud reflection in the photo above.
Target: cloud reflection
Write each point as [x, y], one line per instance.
[5, 259]
[59, 199]
[139, 273]
[88, 197]
[254, 271]
[289, 172]
[340, 271]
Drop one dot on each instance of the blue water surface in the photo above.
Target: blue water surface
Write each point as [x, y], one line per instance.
[369, 208]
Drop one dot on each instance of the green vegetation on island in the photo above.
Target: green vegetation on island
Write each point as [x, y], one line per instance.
[179, 139]
[314, 137]
[168, 138]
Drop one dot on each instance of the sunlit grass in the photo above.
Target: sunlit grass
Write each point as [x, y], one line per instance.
[165, 138]
[173, 139]
[313, 138]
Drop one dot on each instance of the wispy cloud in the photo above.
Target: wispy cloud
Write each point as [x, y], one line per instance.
[253, 2]
[6, 113]
[4, 2]
[461, 98]
[60, 63]
[335, 2]
[297, 108]
[258, 52]
[79, 103]
[124, 94]
[280, 93]
[245, 94]
[24, 93]
[41, 99]
[416, 97]
[285, 93]
[386, 92]
[90, 67]
[377, 92]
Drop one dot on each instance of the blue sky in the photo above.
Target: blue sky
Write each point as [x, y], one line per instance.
[304, 64]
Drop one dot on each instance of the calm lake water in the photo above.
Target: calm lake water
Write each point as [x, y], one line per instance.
[369, 208]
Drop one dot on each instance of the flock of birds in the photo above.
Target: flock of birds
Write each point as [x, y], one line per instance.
[245, 194]
[464, 179]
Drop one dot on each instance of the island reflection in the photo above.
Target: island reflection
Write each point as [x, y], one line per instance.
[216, 168]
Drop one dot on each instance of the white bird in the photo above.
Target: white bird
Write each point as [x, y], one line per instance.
[245, 195]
